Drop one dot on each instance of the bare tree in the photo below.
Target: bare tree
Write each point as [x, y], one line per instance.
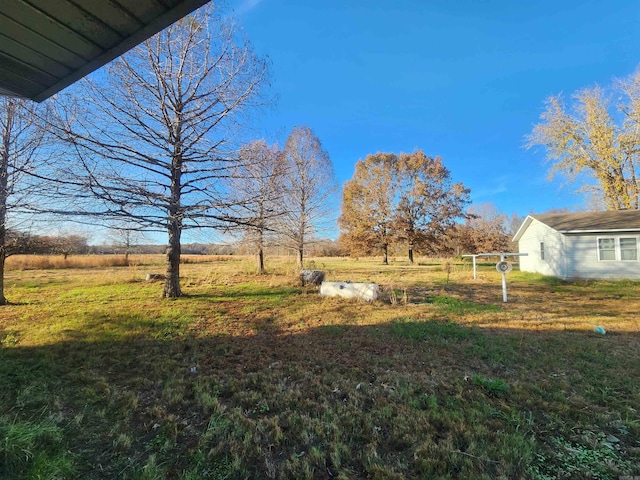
[150, 142]
[589, 138]
[257, 182]
[125, 238]
[514, 222]
[309, 185]
[21, 139]
[485, 230]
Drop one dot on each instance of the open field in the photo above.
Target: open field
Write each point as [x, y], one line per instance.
[256, 377]
[47, 262]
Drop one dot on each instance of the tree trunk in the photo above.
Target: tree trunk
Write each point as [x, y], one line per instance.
[385, 253]
[260, 261]
[3, 300]
[410, 245]
[4, 195]
[301, 235]
[174, 226]
[300, 256]
[172, 282]
[261, 270]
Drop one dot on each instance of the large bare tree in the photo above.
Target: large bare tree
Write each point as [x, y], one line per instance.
[21, 139]
[257, 182]
[596, 141]
[150, 140]
[309, 185]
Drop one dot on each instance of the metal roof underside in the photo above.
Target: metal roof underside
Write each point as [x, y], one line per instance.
[46, 45]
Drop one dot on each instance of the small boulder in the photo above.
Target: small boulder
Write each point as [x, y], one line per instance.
[312, 277]
[155, 277]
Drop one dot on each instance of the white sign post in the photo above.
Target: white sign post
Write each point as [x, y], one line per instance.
[502, 266]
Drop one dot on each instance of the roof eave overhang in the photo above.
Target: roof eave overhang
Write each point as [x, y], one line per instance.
[580, 232]
[156, 25]
[523, 228]
[147, 30]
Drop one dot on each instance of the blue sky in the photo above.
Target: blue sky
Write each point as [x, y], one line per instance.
[461, 79]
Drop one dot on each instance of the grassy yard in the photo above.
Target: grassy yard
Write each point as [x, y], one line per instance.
[255, 377]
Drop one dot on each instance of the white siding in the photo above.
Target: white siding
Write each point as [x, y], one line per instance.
[572, 255]
[583, 258]
[554, 262]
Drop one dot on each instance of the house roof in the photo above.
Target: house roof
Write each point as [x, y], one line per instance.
[586, 222]
[46, 45]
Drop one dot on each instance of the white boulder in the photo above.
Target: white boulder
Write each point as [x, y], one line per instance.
[364, 291]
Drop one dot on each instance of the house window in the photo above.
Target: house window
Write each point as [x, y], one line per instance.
[541, 250]
[606, 249]
[618, 248]
[628, 248]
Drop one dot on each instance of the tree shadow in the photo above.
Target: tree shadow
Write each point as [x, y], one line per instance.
[141, 390]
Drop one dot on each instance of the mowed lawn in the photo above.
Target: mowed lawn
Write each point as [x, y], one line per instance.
[256, 377]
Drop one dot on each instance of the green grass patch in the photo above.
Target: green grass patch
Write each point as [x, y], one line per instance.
[493, 386]
[435, 330]
[33, 449]
[456, 306]
[591, 456]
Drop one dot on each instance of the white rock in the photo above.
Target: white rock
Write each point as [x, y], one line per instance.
[365, 291]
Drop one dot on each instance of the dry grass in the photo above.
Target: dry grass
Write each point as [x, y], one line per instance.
[54, 262]
[256, 377]
[50, 262]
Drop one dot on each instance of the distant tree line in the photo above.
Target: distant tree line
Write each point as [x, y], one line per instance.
[17, 242]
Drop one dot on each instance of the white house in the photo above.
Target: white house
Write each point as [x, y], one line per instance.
[581, 245]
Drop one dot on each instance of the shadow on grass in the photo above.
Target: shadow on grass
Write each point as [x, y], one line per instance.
[404, 399]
